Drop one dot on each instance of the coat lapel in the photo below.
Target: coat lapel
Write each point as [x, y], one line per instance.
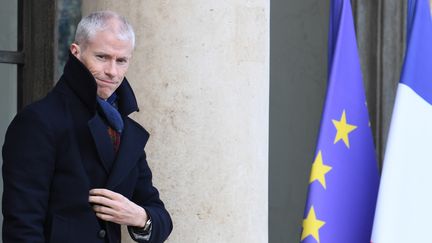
[132, 143]
[104, 146]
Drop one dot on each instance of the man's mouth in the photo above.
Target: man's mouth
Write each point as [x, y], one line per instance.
[107, 81]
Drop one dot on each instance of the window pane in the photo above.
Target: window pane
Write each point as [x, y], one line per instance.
[8, 25]
[8, 96]
[8, 104]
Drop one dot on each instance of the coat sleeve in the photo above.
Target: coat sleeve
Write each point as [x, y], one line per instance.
[147, 196]
[28, 166]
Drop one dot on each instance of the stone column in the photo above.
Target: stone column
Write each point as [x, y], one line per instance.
[201, 75]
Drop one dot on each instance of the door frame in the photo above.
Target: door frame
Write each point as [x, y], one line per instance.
[35, 56]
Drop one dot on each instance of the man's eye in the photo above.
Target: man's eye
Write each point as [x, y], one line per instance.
[122, 61]
[101, 57]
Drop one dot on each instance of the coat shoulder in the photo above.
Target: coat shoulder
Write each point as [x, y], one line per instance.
[48, 110]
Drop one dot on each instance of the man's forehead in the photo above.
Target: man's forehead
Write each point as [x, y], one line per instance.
[108, 43]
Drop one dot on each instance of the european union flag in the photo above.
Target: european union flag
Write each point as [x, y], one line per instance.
[344, 179]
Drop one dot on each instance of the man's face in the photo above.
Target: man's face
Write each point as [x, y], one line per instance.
[107, 58]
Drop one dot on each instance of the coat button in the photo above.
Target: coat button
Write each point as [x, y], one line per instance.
[102, 233]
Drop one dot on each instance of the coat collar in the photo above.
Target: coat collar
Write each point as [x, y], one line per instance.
[133, 141]
[83, 84]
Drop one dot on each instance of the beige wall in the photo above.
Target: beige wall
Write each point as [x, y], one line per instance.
[201, 75]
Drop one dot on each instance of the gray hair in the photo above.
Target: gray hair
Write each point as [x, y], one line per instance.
[100, 21]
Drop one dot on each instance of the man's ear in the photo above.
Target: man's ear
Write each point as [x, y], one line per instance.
[75, 50]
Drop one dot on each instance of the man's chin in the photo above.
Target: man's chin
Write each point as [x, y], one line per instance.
[104, 94]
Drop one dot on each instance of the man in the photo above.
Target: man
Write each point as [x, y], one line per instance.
[74, 166]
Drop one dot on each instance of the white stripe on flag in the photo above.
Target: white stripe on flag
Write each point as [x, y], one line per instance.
[404, 206]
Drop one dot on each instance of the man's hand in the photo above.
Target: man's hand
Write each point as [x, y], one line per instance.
[114, 207]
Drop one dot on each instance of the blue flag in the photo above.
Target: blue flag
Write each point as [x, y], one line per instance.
[403, 209]
[344, 177]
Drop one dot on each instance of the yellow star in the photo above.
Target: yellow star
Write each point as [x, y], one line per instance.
[319, 169]
[343, 129]
[311, 225]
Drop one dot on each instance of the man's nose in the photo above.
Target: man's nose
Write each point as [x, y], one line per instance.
[111, 69]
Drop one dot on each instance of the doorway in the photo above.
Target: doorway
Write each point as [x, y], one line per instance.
[26, 46]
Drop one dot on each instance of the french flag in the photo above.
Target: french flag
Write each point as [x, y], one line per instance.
[404, 206]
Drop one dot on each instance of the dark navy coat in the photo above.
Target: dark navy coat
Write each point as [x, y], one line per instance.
[57, 149]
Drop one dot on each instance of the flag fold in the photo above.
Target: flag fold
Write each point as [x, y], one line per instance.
[344, 176]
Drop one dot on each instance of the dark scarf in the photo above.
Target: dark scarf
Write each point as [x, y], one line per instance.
[109, 108]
